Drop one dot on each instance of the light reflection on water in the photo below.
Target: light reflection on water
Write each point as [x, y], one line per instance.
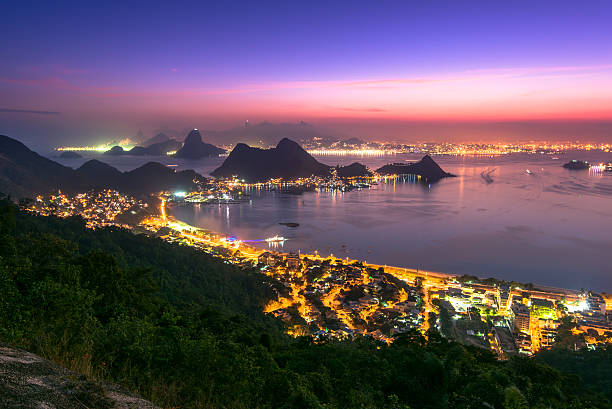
[549, 227]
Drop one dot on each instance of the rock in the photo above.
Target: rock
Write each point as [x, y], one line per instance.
[29, 381]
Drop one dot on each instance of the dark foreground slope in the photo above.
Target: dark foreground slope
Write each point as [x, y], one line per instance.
[24, 173]
[29, 381]
[186, 330]
[426, 168]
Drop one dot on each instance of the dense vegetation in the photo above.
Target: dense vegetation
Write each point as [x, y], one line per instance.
[186, 330]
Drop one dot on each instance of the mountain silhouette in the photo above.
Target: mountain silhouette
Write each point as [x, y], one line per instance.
[24, 173]
[194, 148]
[355, 169]
[287, 160]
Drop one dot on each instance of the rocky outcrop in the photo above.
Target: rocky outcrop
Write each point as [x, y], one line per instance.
[194, 148]
[29, 381]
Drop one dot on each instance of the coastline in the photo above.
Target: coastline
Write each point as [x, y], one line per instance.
[406, 273]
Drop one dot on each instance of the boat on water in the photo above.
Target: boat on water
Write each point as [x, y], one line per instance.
[276, 239]
[529, 172]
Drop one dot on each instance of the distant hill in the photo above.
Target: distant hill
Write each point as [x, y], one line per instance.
[427, 168]
[162, 148]
[24, 173]
[158, 138]
[267, 133]
[194, 148]
[99, 173]
[286, 160]
[156, 149]
[355, 169]
[115, 151]
[70, 155]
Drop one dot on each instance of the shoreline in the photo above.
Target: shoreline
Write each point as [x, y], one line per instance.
[399, 272]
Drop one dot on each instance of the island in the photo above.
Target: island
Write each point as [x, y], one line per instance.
[426, 168]
[576, 165]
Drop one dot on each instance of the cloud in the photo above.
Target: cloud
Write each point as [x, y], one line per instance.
[27, 111]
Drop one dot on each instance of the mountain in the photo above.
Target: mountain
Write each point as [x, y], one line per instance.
[24, 173]
[158, 138]
[115, 151]
[70, 155]
[194, 148]
[355, 169]
[427, 168]
[267, 133]
[287, 160]
[156, 149]
[150, 177]
[162, 148]
[98, 173]
[154, 177]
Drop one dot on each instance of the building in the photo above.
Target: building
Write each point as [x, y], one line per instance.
[521, 317]
[523, 343]
[596, 303]
[505, 341]
[543, 308]
[293, 261]
[548, 330]
[267, 258]
[503, 297]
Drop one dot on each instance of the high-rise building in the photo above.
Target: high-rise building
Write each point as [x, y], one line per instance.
[503, 297]
[521, 317]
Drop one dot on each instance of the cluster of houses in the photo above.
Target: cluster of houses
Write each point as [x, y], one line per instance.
[334, 298]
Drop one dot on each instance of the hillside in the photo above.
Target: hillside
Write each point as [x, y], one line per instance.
[24, 173]
[187, 330]
[29, 381]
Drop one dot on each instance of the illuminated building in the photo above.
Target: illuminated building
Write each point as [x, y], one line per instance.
[293, 261]
[542, 308]
[521, 317]
[503, 297]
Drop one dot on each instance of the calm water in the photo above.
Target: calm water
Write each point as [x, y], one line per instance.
[552, 227]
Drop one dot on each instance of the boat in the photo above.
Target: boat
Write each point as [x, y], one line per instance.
[275, 239]
[529, 172]
[608, 167]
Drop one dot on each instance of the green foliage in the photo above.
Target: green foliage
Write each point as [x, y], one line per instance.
[186, 330]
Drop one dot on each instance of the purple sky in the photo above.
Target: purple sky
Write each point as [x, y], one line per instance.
[72, 72]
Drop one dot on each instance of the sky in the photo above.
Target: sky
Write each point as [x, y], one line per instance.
[405, 70]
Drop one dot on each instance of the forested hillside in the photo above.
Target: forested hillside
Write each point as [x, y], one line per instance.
[186, 330]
